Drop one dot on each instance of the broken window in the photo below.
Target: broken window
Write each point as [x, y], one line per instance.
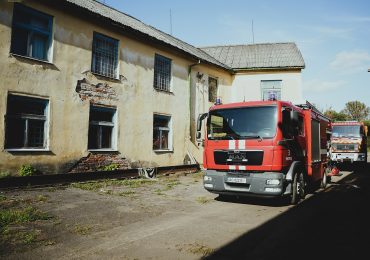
[105, 56]
[31, 33]
[161, 132]
[101, 126]
[212, 89]
[271, 89]
[162, 73]
[26, 122]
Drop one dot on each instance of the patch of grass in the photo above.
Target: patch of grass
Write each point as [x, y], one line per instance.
[81, 229]
[90, 186]
[127, 193]
[110, 167]
[5, 174]
[2, 197]
[159, 192]
[197, 249]
[19, 216]
[27, 170]
[41, 198]
[203, 200]
[49, 243]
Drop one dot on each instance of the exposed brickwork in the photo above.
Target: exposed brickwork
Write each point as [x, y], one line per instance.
[94, 93]
[95, 162]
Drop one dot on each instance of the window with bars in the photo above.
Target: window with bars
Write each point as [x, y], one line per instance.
[105, 56]
[101, 128]
[212, 89]
[31, 33]
[161, 132]
[162, 73]
[26, 123]
[271, 89]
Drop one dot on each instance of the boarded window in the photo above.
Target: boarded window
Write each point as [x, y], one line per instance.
[212, 89]
[162, 73]
[161, 132]
[26, 121]
[271, 89]
[105, 56]
[101, 126]
[31, 33]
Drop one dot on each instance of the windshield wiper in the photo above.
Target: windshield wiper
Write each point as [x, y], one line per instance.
[252, 137]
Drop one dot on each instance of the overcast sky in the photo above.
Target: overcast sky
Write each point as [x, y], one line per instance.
[333, 36]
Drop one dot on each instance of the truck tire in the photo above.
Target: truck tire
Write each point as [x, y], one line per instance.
[298, 188]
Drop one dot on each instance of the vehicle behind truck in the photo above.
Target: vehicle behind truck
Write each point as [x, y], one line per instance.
[264, 148]
[349, 142]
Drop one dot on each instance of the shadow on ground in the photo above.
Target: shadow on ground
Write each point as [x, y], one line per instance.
[333, 224]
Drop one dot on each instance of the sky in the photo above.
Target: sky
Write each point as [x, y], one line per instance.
[333, 36]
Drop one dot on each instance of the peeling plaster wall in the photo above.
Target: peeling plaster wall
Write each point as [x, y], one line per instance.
[133, 95]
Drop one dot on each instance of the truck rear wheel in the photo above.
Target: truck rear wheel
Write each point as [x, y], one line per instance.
[298, 188]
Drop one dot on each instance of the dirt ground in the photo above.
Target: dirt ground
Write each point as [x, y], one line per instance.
[169, 217]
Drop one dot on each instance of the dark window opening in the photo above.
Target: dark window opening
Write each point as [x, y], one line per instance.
[31, 33]
[104, 56]
[25, 125]
[162, 73]
[101, 125]
[161, 132]
[212, 89]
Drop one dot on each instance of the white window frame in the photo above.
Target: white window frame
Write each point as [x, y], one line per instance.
[46, 126]
[114, 135]
[170, 133]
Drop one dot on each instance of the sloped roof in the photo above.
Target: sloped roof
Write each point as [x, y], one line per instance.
[258, 56]
[124, 20]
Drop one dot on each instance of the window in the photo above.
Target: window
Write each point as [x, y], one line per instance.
[162, 73]
[271, 89]
[101, 128]
[26, 123]
[212, 89]
[31, 33]
[161, 132]
[105, 56]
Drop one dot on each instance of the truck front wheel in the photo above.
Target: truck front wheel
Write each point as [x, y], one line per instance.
[298, 188]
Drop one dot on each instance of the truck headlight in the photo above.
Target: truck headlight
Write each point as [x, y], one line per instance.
[272, 189]
[272, 182]
[207, 178]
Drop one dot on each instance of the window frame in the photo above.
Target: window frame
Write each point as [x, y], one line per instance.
[279, 88]
[26, 118]
[101, 124]
[20, 8]
[168, 88]
[115, 42]
[161, 129]
[216, 79]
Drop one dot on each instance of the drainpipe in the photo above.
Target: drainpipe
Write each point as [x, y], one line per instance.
[190, 99]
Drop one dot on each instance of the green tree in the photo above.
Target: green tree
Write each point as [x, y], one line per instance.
[356, 110]
[335, 116]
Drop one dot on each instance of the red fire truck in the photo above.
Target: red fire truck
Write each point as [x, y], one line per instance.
[265, 148]
[348, 142]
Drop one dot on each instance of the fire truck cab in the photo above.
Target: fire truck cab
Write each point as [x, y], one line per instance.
[264, 148]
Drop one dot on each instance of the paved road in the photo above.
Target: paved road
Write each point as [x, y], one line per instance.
[332, 224]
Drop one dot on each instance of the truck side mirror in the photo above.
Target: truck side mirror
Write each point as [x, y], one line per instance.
[199, 127]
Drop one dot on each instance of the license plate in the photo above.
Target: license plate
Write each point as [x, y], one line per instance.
[236, 180]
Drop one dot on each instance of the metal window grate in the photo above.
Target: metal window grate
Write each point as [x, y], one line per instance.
[271, 89]
[162, 73]
[105, 56]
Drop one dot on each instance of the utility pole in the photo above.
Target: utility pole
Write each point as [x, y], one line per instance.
[252, 32]
[170, 21]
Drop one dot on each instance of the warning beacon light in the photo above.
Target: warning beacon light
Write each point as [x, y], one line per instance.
[218, 101]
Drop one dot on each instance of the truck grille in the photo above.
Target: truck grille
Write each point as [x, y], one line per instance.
[345, 147]
[238, 157]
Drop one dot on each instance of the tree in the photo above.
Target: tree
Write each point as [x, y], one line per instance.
[356, 110]
[335, 116]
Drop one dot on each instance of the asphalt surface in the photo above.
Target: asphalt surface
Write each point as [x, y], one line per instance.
[187, 222]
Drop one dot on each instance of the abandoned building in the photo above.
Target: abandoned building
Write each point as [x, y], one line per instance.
[84, 85]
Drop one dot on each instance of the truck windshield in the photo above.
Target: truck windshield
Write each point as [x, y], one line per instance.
[346, 131]
[242, 123]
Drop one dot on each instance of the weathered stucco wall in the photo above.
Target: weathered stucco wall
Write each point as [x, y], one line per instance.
[133, 96]
[247, 86]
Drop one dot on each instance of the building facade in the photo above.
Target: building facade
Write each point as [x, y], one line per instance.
[79, 78]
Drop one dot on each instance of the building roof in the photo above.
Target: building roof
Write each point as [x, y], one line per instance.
[258, 56]
[127, 21]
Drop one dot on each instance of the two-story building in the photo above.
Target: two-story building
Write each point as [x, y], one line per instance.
[79, 79]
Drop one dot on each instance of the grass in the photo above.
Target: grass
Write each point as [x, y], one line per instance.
[197, 249]
[98, 185]
[20, 216]
[81, 229]
[41, 198]
[203, 200]
[4, 175]
[127, 193]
